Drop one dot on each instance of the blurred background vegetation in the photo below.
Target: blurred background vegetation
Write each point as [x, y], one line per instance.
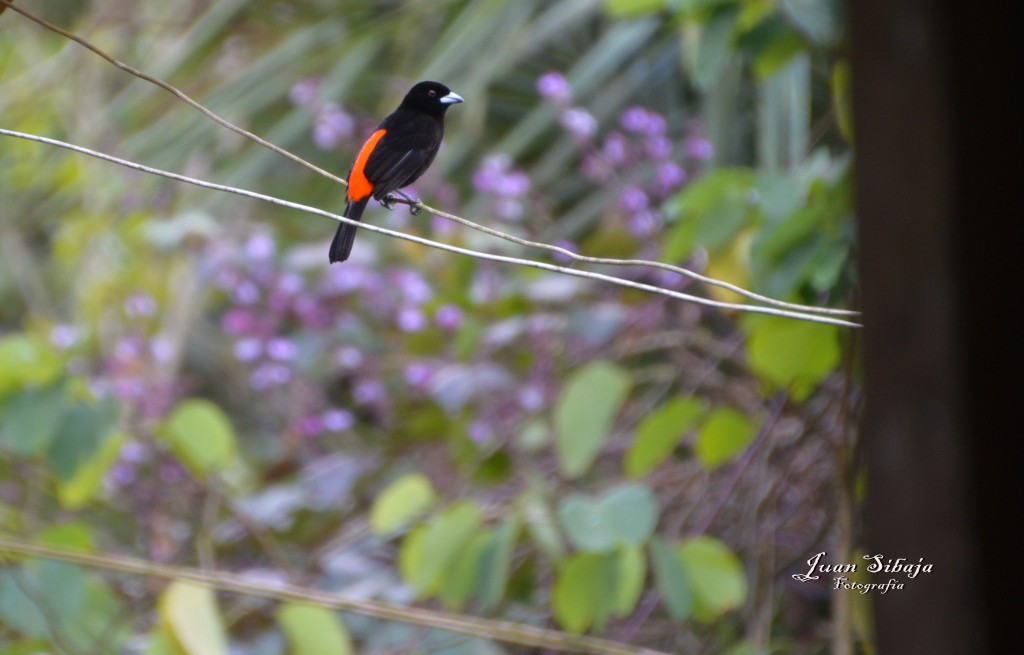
[183, 378]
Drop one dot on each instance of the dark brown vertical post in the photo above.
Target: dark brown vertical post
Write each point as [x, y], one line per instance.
[939, 199]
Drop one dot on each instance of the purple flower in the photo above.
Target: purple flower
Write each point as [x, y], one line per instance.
[411, 319]
[311, 426]
[616, 148]
[246, 293]
[172, 471]
[122, 474]
[290, 283]
[448, 317]
[338, 420]
[699, 148]
[140, 304]
[492, 169]
[128, 349]
[368, 392]
[565, 244]
[259, 247]
[349, 357]
[508, 209]
[418, 374]
[333, 125]
[655, 124]
[644, 224]
[133, 452]
[305, 91]
[671, 176]
[531, 398]
[579, 122]
[414, 288]
[514, 184]
[65, 336]
[281, 349]
[480, 432]
[554, 87]
[161, 350]
[633, 199]
[269, 375]
[658, 147]
[635, 119]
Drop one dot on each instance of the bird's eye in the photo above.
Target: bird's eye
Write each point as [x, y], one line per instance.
[432, 93]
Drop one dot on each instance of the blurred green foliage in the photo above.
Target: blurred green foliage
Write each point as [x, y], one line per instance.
[182, 377]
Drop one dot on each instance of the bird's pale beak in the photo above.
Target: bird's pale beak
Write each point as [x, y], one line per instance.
[451, 99]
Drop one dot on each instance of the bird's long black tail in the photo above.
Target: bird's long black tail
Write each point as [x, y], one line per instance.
[341, 247]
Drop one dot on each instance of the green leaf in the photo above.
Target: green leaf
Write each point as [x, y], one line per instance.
[402, 502]
[70, 534]
[441, 544]
[842, 98]
[631, 512]
[659, 433]
[631, 569]
[29, 419]
[633, 8]
[585, 412]
[724, 435]
[495, 562]
[671, 580]
[793, 355]
[313, 630]
[26, 362]
[584, 592]
[192, 619]
[821, 20]
[57, 586]
[716, 45]
[464, 574]
[710, 212]
[584, 523]
[625, 514]
[716, 576]
[201, 436]
[771, 44]
[79, 490]
[541, 524]
[84, 429]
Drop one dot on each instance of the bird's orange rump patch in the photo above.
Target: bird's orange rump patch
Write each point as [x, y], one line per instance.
[359, 187]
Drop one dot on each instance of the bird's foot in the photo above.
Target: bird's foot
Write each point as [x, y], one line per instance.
[390, 201]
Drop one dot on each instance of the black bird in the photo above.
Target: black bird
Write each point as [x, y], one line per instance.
[398, 152]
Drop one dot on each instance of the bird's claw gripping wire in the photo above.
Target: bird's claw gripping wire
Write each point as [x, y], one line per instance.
[389, 201]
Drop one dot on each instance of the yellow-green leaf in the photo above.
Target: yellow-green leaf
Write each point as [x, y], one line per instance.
[201, 436]
[659, 433]
[585, 413]
[26, 361]
[793, 355]
[631, 569]
[401, 502]
[716, 577]
[724, 435]
[192, 619]
[313, 630]
[81, 488]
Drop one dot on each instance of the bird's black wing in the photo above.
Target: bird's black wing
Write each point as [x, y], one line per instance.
[404, 153]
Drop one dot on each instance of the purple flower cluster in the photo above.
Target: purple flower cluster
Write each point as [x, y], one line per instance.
[332, 126]
[576, 120]
[506, 185]
[644, 158]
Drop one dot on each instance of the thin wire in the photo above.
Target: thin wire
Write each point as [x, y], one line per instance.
[435, 244]
[431, 210]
